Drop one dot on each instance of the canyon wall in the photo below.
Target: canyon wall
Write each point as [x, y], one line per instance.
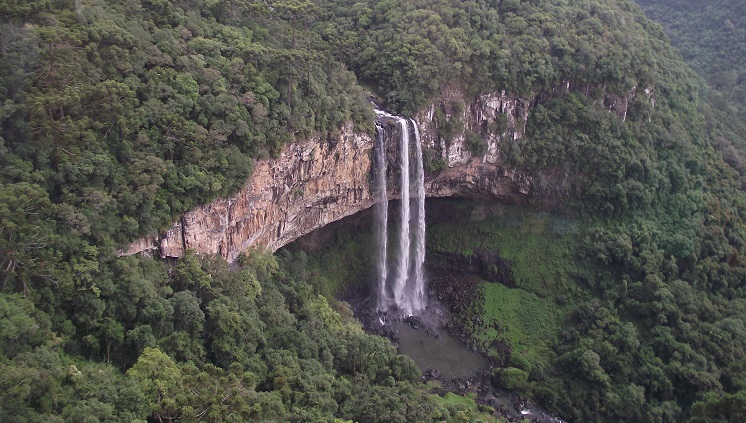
[493, 118]
[319, 181]
[312, 183]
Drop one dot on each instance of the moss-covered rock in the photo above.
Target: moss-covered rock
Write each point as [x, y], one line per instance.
[520, 361]
[509, 378]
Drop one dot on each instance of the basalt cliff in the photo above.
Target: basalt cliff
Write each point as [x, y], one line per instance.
[318, 181]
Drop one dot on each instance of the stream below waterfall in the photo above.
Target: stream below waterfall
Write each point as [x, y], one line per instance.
[427, 339]
[439, 352]
[443, 357]
[346, 251]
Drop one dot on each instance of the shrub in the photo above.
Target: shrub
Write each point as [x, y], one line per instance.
[509, 378]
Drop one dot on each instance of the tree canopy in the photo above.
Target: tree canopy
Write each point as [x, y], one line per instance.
[118, 116]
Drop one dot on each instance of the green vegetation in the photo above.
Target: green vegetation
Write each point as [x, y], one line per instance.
[342, 261]
[583, 330]
[252, 343]
[522, 320]
[542, 268]
[510, 377]
[476, 145]
[117, 116]
[465, 409]
[413, 49]
[539, 246]
[710, 37]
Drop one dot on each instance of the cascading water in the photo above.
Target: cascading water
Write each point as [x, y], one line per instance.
[408, 288]
[418, 299]
[382, 218]
[402, 275]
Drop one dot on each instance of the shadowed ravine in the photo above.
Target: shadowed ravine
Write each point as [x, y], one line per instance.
[316, 181]
[437, 345]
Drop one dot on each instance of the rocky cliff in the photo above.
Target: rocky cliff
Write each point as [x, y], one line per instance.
[490, 118]
[318, 181]
[312, 183]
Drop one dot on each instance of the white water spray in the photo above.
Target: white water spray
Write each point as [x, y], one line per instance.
[418, 297]
[408, 285]
[402, 275]
[382, 217]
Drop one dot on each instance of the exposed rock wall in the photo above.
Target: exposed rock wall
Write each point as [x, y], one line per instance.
[311, 184]
[493, 117]
[318, 181]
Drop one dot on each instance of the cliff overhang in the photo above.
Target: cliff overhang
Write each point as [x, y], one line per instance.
[318, 181]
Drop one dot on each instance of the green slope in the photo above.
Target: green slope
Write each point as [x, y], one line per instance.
[118, 116]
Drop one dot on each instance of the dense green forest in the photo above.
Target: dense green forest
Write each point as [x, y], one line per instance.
[712, 39]
[117, 116]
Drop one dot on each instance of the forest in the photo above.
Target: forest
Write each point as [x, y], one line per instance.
[712, 41]
[119, 116]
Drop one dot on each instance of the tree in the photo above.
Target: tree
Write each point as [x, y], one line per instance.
[235, 331]
[162, 382]
[293, 10]
[26, 235]
[217, 395]
[717, 407]
[22, 326]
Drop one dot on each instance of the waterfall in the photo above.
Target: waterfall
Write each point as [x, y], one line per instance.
[382, 218]
[418, 298]
[402, 275]
[407, 290]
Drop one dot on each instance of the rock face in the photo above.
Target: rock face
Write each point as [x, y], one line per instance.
[318, 181]
[311, 184]
[493, 118]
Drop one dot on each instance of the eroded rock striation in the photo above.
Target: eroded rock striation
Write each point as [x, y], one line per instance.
[318, 181]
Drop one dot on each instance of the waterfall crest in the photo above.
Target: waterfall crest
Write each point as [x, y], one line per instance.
[407, 290]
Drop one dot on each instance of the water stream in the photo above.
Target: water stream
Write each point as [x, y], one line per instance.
[418, 296]
[443, 352]
[402, 275]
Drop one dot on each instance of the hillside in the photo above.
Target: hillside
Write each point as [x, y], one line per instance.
[712, 40]
[117, 117]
